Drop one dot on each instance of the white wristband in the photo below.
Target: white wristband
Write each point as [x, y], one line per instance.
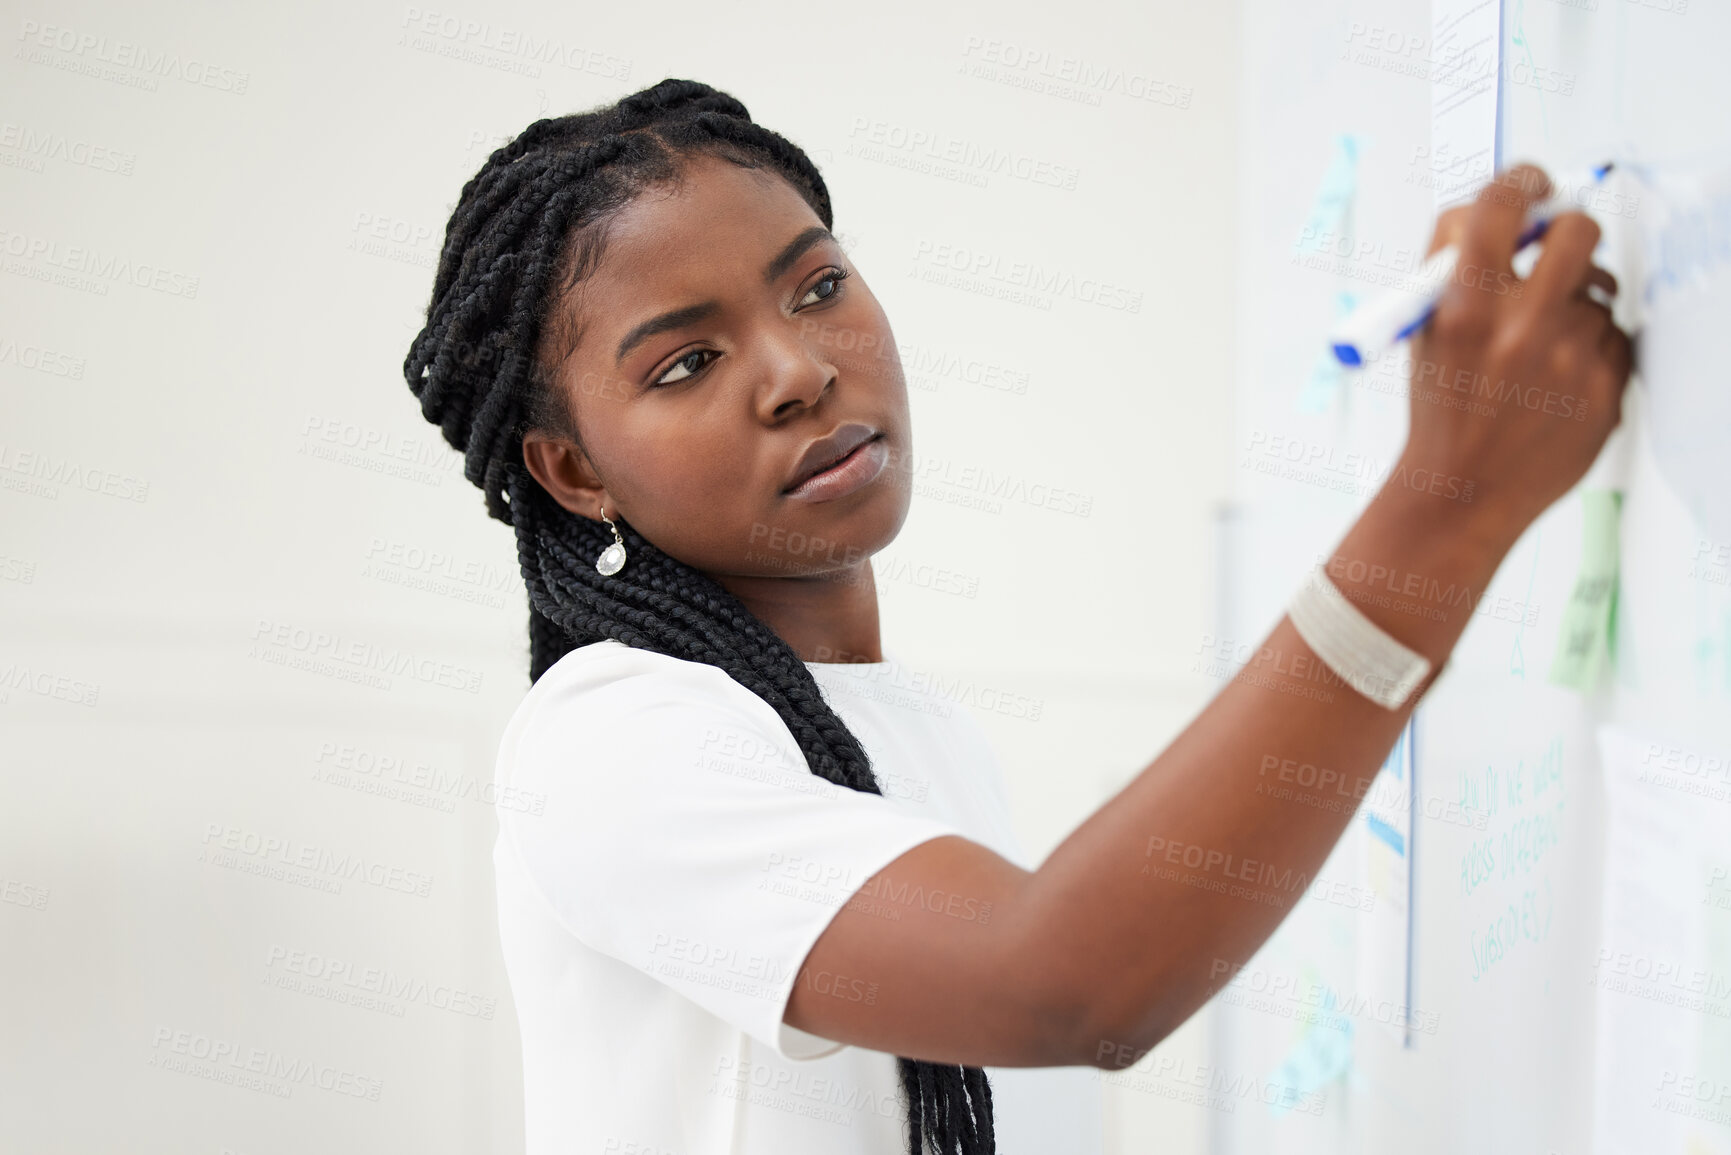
[1353, 646]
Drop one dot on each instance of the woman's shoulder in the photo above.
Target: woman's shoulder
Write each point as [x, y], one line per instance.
[608, 682]
[607, 660]
[607, 705]
[611, 665]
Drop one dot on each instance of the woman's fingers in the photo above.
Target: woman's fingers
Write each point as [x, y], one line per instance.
[1585, 321]
[1449, 228]
[1601, 280]
[1567, 255]
[1617, 353]
[1615, 357]
[1496, 219]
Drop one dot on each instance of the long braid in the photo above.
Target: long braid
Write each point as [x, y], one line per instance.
[523, 218]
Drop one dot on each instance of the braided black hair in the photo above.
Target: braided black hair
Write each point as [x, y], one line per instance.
[477, 369]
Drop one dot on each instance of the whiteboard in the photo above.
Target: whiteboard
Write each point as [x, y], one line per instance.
[1535, 904]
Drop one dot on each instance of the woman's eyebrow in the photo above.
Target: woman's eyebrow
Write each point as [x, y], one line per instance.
[794, 250]
[671, 320]
[675, 318]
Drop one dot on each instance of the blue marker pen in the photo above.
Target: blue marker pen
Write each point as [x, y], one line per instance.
[1397, 315]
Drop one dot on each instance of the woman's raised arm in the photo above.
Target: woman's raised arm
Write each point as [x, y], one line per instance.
[1150, 905]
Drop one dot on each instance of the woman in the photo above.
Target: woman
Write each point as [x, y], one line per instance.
[669, 378]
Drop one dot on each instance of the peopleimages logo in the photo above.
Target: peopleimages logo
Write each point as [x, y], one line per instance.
[988, 267]
[43, 360]
[89, 269]
[344, 981]
[933, 149]
[317, 651]
[38, 145]
[20, 676]
[41, 474]
[1066, 76]
[87, 53]
[258, 1068]
[500, 46]
[227, 845]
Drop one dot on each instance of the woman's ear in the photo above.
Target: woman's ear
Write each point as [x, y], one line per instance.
[564, 471]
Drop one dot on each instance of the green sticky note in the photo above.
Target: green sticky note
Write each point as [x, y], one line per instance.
[1588, 639]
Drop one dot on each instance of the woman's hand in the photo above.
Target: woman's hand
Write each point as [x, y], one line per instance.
[1516, 383]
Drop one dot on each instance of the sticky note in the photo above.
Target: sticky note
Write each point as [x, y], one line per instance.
[1322, 1054]
[1330, 216]
[1327, 375]
[1587, 638]
[1327, 227]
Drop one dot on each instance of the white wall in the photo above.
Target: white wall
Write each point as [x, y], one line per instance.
[219, 234]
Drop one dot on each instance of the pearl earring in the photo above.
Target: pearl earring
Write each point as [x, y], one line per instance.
[612, 559]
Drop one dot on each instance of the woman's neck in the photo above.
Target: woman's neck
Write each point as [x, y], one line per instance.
[829, 618]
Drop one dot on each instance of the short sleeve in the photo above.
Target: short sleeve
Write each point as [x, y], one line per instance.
[681, 832]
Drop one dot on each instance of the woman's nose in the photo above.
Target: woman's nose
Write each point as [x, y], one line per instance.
[794, 374]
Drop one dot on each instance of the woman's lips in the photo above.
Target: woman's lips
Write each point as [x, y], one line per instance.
[855, 471]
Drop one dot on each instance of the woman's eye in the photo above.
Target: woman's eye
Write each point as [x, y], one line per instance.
[833, 278]
[695, 361]
[685, 362]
